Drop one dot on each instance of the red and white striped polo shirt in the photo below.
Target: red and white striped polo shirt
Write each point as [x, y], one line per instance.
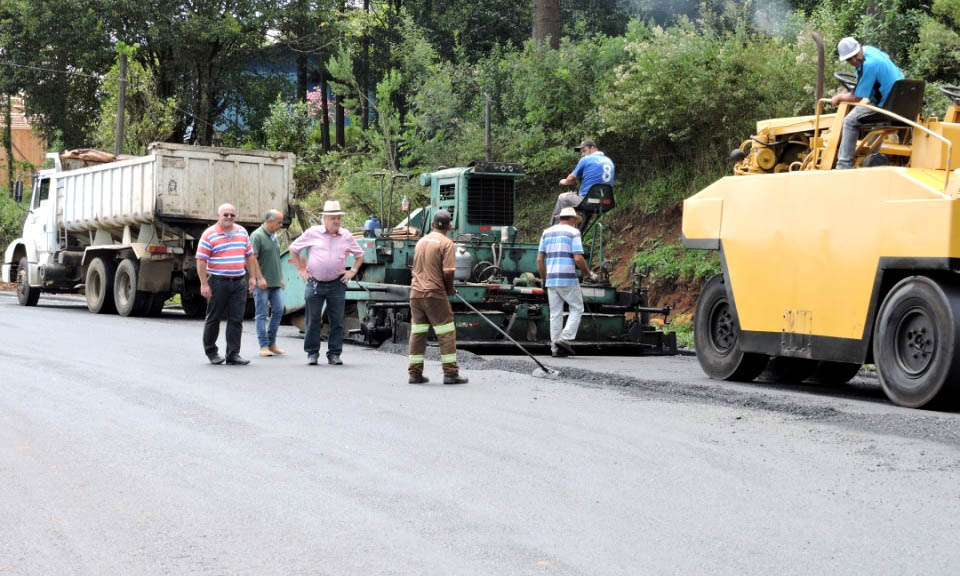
[225, 254]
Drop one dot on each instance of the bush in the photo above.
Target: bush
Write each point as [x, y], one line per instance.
[674, 262]
[11, 219]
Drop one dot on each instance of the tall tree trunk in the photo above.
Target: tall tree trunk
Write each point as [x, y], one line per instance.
[302, 76]
[341, 137]
[546, 22]
[365, 75]
[324, 111]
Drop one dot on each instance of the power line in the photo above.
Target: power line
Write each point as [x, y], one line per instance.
[69, 72]
[55, 71]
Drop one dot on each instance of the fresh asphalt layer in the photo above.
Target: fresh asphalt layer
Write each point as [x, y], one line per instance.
[123, 452]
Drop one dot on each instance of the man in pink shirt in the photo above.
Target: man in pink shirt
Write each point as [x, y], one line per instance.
[324, 270]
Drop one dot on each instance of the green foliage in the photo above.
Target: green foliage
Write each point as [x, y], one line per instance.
[674, 262]
[289, 127]
[713, 79]
[11, 218]
[148, 117]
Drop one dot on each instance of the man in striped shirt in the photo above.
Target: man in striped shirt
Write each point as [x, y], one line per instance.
[560, 254]
[223, 253]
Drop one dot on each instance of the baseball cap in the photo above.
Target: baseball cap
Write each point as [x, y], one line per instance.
[585, 144]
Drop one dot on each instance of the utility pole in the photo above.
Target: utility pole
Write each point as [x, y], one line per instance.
[8, 140]
[121, 98]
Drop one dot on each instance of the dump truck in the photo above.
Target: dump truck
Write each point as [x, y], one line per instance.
[123, 231]
[825, 270]
[496, 273]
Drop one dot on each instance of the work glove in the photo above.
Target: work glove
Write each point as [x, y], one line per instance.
[594, 276]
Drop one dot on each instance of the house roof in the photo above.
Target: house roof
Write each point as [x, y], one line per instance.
[18, 119]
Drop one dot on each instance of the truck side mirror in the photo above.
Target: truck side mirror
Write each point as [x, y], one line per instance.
[18, 191]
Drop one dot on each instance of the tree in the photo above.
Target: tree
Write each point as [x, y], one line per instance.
[149, 118]
[197, 51]
[546, 22]
[55, 55]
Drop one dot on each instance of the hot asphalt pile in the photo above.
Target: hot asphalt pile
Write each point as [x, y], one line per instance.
[815, 403]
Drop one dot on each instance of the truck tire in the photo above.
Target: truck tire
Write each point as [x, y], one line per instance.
[27, 295]
[834, 373]
[193, 306]
[916, 343]
[129, 300]
[99, 286]
[717, 337]
[154, 305]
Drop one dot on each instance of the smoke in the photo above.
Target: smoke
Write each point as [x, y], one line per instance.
[771, 16]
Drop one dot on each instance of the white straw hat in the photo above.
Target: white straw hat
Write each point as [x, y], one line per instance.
[332, 208]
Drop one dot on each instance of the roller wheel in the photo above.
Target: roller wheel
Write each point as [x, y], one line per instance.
[99, 286]
[787, 370]
[916, 341]
[129, 300]
[834, 373]
[27, 295]
[717, 337]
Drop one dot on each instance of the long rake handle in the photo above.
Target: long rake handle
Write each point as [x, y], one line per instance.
[507, 336]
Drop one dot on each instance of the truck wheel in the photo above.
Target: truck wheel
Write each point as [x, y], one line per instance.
[129, 300]
[154, 304]
[787, 370]
[27, 295]
[717, 337]
[193, 306]
[916, 341]
[834, 373]
[99, 286]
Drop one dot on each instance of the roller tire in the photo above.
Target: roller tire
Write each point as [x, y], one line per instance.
[99, 286]
[27, 295]
[834, 373]
[128, 300]
[786, 370]
[717, 337]
[916, 341]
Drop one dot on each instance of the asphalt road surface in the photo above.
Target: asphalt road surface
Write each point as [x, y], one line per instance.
[123, 452]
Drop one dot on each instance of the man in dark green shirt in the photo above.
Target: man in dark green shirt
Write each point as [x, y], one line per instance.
[268, 293]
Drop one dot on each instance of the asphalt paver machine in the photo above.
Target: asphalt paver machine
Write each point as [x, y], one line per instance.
[496, 274]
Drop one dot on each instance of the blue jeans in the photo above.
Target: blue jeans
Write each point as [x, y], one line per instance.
[848, 139]
[334, 294]
[271, 298]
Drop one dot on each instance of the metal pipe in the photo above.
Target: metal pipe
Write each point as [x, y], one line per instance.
[486, 126]
[820, 61]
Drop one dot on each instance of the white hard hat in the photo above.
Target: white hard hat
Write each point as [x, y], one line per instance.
[847, 48]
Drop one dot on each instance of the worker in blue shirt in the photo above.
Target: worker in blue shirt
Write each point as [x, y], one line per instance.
[593, 168]
[876, 74]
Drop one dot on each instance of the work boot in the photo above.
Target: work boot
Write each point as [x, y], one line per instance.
[557, 352]
[418, 379]
[236, 360]
[266, 351]
[215, 359]
[334, 360]
[455, 379]
[275, 350]
[312, 359]
[566, 347]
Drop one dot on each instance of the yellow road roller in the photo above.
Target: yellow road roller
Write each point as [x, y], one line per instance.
[824, 270]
